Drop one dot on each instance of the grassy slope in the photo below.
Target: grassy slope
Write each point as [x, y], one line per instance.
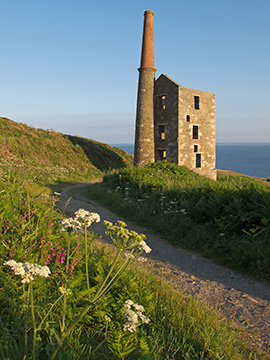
[24, 145]
[188, 332]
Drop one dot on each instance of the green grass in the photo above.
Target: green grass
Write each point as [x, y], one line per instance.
[227, 220]
[60, 157]
[33, 162]
[180, 326]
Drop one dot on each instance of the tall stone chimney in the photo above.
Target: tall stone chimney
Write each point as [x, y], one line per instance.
[144, 149]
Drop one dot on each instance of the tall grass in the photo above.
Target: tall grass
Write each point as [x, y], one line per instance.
[56, 156]
[227, 220]
[32, 322]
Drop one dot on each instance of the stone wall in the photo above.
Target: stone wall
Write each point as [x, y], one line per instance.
[201, 121]
[189, 129]
[166, 119]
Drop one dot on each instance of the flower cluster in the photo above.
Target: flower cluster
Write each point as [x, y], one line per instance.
[65, 291]
[27, 271]
[86, 217]
[133, 317]
[53, 251]
[144, 247]
[82, 218]
[125, 239]
[70, 224]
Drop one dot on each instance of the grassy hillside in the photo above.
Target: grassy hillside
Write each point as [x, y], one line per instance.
[73, 156]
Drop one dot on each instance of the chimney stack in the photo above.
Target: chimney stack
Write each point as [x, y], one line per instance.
[144, 149]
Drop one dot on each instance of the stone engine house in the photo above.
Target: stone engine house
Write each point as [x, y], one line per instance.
[184, 123]
[173, 123]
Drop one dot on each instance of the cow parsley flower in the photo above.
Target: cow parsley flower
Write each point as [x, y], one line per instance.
[70, 224]
[82, 218]
[128, 304]
[27, 270]
[86, 217]
[133, 316]
[144, 247]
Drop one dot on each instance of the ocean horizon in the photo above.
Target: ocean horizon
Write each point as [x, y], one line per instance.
[251, 159]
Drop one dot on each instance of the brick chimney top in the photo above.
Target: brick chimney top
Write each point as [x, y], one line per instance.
[148, 12]
[147, 56]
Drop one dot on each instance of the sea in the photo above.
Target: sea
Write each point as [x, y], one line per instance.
[251, 159]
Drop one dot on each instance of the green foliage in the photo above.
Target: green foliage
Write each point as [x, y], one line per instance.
[103, 156]
[121, 343]
[50, 157]
[12, 350]
[60, 313]
[227, 220]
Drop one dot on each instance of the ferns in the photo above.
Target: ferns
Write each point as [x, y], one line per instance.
[196, 212]
[12, 350]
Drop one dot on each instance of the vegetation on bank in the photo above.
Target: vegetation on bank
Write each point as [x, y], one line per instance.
[227, 220]
[82, 299]
[59, 157]
[64, 315]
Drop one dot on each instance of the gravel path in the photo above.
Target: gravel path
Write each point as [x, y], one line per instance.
[244, 300]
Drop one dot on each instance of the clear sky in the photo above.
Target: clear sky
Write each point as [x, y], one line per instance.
[71, 65]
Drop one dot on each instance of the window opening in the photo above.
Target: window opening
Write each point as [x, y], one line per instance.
[195, 148]
[161, 130]
[162, 154]
[196, 102]
[163, 102]
[195, 134]
[188, 118]
[198, 160]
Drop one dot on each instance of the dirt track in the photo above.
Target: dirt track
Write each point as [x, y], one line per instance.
[244, 300]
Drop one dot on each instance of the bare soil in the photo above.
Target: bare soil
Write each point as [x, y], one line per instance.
[246, 301]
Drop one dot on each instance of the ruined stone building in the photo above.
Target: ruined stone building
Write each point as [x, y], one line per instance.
[173, 123]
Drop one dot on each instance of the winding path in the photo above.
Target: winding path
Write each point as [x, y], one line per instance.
[245, 300]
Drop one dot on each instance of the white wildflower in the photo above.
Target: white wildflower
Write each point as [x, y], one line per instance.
[221, 234]
[132, 317]
[128, 304]
[27, 270]
[69, 224]
[129, 327]
[86, 217]
[138, 307]
[183, 211]
[82, 217]
[144, 247]
[144, 319]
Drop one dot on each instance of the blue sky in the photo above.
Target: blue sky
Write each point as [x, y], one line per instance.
[71, 65]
